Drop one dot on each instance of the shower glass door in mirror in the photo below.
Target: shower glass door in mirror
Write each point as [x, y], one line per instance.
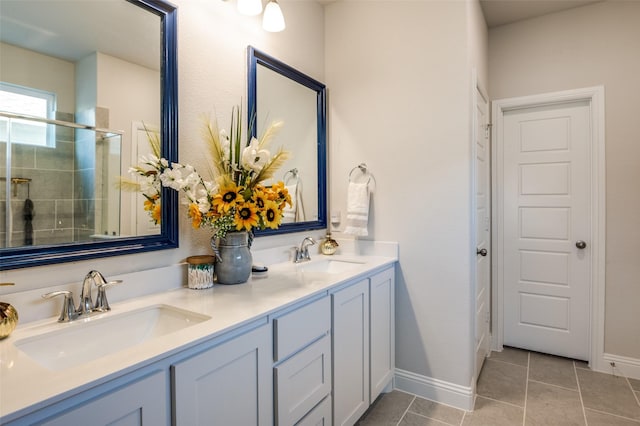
[80, 91]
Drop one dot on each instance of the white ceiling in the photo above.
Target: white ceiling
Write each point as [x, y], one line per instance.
[501, 12]
[71, 29]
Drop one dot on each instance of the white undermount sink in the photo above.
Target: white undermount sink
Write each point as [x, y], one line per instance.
[330, 266]
[94, 337]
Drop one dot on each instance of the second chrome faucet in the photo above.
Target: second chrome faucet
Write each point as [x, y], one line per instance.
[302, 252]
[86, 305]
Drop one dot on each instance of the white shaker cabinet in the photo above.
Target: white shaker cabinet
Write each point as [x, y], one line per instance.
[363, 344]
[350, 353]
[228, 384]
[382, 331]
[319, 361]
[142, 400]
[302, 356]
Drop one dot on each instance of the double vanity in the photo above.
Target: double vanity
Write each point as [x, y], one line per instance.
[310, 343]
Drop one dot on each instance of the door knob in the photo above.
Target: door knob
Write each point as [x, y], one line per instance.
[482, 252]
[581, 244]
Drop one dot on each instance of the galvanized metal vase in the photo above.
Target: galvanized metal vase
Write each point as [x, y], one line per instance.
[234, 259]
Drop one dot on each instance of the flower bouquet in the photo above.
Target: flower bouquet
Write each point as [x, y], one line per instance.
[237, 199]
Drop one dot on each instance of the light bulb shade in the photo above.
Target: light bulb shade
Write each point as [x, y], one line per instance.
[273, 20]
[250, 7]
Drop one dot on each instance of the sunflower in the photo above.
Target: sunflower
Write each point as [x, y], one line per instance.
[228, 197]
[282, 194]
[246, 217]
[259, 198]
[271, 215]
[156, 213]
[152, 205]
[150, 202]
[195, 215]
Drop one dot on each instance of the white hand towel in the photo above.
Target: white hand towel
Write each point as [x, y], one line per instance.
[295, 213]
[289, 213]
[357, 209]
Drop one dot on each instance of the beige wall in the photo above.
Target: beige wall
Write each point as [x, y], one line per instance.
[588, 46]
[399, 79]
[32, 69]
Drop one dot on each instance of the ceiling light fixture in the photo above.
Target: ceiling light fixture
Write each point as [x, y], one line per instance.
[273, 20]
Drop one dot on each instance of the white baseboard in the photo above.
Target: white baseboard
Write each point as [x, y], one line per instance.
[624, 366]
[434, 389]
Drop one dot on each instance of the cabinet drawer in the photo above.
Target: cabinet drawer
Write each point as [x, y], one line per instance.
[303, 381]
[296, 329]
[319, 416]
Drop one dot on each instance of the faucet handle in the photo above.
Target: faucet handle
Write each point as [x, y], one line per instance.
[68, 312]
[102, 304]
[308, 241]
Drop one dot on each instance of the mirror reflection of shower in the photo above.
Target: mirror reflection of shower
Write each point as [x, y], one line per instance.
[57, 181]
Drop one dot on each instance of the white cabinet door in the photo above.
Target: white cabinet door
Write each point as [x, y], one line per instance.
[302, 381]
[350, 353]
[228, 384]
[382, 333]
[143, 402]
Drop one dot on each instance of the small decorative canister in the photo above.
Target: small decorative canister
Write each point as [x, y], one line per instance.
[200, 272]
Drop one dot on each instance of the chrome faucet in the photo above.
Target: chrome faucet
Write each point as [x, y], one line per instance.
[86, 303]
[302, 252]
[85, 306]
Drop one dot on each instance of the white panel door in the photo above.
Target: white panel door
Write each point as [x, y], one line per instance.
[483, 232]
[546, 216]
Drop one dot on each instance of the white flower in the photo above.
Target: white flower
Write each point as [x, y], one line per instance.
[203, 204]
[210, 187]
[190, 194]
[225, 144]
[172, 178]
[148, 185]
[254, 158]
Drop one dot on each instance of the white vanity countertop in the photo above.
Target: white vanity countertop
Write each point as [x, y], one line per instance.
[26, 385]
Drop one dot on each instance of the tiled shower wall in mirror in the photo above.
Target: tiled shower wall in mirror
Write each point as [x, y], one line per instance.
[59, 198]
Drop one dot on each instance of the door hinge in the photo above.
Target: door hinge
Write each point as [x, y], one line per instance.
[487, 130]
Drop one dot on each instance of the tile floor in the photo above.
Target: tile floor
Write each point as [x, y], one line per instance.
[518, 387]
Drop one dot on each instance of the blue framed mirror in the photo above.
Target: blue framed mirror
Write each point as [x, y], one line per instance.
[94, 217]
[279, 92]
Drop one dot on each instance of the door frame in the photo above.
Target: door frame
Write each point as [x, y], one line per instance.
[595, 98]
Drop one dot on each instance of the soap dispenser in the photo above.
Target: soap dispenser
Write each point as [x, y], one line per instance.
[329, 245]
[8, 317]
